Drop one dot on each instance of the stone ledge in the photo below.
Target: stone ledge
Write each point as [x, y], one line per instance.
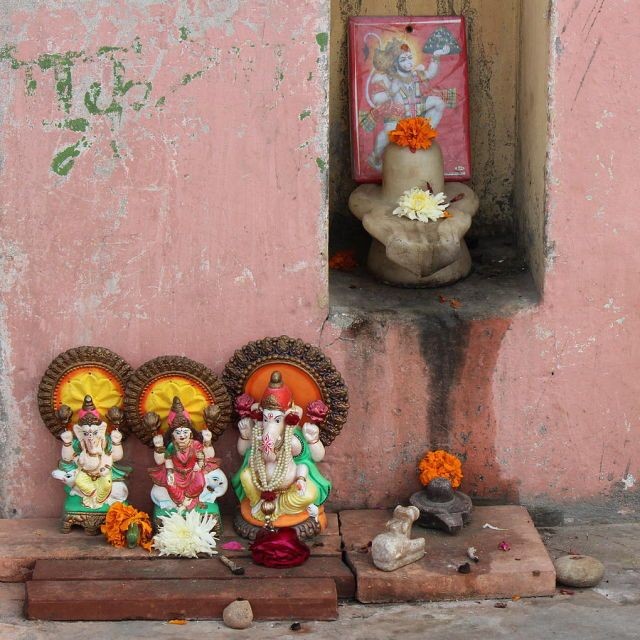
[498, 286]
[24, 541]
[526, 570]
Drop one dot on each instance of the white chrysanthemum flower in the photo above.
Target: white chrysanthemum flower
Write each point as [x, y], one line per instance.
[422, 205]
[187, 535]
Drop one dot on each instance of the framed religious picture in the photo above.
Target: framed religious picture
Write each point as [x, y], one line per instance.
[406, 67]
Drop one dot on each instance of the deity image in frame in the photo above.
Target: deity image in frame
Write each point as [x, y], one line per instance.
[406, 68]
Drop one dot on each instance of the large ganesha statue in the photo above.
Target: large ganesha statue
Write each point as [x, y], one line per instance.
[290, 404]
[279, 476]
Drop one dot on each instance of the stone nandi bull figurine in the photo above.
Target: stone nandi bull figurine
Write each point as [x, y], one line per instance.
[394, 548]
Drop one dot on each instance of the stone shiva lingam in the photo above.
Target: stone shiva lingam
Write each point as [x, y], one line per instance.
[80, 398]
[417, 222]
[439, 504]
[279, 477]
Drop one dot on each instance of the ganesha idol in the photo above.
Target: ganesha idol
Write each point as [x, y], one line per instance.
[89, 465]
[279, 484]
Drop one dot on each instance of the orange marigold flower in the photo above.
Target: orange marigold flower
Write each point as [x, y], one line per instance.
[343, 260]
[415, 133]
[117, 522]
[440, 464]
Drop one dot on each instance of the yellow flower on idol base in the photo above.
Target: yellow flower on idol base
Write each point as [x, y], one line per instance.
[421, 205]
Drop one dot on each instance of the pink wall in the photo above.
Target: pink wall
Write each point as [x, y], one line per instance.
[217, 194]
[210, 230]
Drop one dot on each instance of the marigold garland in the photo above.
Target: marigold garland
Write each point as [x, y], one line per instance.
[440, 464]
[117, 522]
[415, 133]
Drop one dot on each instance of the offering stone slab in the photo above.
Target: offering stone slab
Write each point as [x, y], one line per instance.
[524, 570]
[295, 599]
[23, 541]
[123, 570]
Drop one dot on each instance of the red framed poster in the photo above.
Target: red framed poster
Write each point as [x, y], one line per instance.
[403, 67]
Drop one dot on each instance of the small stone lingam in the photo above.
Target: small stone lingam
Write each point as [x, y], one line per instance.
[417, 222]
[441, 507]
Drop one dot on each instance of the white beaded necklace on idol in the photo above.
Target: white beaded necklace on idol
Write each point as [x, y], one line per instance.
[257, 465]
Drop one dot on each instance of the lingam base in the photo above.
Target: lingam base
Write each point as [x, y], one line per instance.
[390, 273]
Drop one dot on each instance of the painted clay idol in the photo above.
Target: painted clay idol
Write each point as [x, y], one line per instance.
[288, 412]
[80, 398]
[179, 407]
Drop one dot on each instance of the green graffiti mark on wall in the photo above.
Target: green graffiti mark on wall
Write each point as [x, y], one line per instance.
[322, 164]
[64, 160]
[188, 77]
[124, 94]
[305, 114]
[323, 40]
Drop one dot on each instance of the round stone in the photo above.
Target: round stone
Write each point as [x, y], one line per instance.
[238, 614]
[578, 571]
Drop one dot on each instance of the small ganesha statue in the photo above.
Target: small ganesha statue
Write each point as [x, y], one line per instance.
[279, 484]
[187, 475]
[88, 465]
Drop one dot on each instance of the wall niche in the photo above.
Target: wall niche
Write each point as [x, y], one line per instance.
[508, 48]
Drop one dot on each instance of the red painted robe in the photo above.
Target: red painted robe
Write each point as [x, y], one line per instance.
[188, 483]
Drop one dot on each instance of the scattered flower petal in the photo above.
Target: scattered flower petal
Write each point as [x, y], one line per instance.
[504, 546]
[232, 545]
[343, 260]
[177, 621]
[472, 555]
[486, 525]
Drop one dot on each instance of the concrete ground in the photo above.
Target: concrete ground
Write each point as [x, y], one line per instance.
[610, 611]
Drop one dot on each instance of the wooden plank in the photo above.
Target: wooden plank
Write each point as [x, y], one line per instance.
[295, 599]
[525, 570]
[187, 569]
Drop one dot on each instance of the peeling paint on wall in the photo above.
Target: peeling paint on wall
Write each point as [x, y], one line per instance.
[125, 93]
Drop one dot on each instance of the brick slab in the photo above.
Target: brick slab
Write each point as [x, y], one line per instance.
[525, 570]
[295, 599]
[23, 541]
[187, 569]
